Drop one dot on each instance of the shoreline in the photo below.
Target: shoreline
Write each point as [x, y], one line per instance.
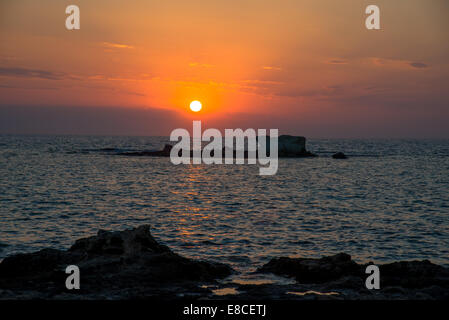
[131, 264]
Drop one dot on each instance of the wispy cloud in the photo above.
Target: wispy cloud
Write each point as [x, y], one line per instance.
[112, 45]
[399, 63]
[325, 91]
[6, 86]
[262, 82]
[30, 73]
[396, 63]
[271, 68]
[337, 61]
[418, 65]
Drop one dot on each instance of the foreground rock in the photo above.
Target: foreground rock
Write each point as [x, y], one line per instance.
[127, 264]
[132, 265]
[339, 274]
[313, 270]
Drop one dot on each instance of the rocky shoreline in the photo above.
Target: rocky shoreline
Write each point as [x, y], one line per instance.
[131, 264]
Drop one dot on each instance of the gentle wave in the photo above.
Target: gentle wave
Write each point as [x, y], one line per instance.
[388, 203]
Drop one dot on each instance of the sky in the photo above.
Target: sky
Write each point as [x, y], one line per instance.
[306, 67]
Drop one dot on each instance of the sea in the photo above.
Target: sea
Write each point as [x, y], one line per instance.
[388, 201]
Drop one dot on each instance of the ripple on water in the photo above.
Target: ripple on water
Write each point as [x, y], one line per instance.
[225, 291]
[366, 207]
[311, 292]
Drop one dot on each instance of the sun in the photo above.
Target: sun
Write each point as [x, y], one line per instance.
[195, 106]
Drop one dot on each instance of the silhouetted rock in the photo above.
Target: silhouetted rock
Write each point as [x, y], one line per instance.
[414, 274]
[398, 280]
[288, 147]
[131, 264]
[165, 152]
[339, 155]
[291, 145]
[307, 270]
[124, 261]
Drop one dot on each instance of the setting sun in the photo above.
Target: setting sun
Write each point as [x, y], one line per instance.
[195, 106]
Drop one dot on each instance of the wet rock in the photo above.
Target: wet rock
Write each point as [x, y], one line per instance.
[414, 274]
[124, 262]
[339, 155]
[398, 280]
[307, 270]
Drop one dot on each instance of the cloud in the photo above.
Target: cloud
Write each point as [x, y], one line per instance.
[262, 83]
[418, 65]
[116, 45]
[30, 73]
[325, 91]
[6, 86]
[337, 61]
[271, 68]
[397, 63]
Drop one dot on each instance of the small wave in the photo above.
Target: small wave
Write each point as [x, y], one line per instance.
[302, 242]
[238, 259]
[225, 291]
[101, 151]
[364, 155]
[3, 245]
[210, 243]
[9, 154]
[188, 244]
[352, 155]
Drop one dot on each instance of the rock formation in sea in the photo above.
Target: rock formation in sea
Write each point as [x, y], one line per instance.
[288, 147]
[339, 155]
[131, 264]
[340, 274]
[125, 264]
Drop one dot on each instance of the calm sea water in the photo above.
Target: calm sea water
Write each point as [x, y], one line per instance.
[388, 202]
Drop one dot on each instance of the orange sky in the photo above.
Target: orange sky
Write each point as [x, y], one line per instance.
[309, 61]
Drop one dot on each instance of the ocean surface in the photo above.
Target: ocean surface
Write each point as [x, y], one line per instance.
[389, 201]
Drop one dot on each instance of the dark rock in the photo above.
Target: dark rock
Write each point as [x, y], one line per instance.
[128, 261]
[339, 155]
[307, 270]
[165, 152]
[29, 264]
[293, 147]
[414, 274]
[288, 147]
[398, 280]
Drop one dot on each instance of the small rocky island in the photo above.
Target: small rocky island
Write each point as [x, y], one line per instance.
[288, 147]
[131, 264]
